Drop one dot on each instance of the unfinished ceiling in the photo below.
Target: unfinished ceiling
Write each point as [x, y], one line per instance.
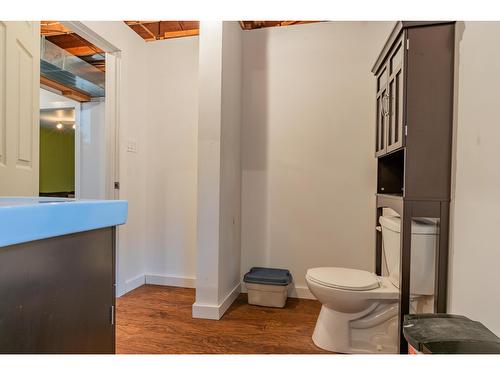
[69, 64]
[158, 30]
[250, 25]
[63, 37]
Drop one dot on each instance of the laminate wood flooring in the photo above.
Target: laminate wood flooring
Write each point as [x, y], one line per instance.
[157, 319]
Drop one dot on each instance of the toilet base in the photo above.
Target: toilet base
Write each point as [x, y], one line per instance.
[374, 330]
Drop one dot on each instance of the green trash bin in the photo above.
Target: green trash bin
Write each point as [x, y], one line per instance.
[448, 334]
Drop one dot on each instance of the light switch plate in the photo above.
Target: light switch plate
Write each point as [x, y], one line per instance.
[132, 145]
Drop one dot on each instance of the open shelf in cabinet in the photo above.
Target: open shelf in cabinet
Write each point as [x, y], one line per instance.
[390, 176]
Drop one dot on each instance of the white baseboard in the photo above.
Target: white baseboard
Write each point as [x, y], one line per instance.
[294, 291]
[215, 312]
[201, 311]
[136, 282]
[300, 292]
[130, 285]
[184, 282]
[229, 299]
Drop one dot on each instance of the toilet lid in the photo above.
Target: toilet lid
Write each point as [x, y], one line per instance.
[343, 278]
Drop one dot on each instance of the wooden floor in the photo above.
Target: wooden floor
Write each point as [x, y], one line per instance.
[157, 319]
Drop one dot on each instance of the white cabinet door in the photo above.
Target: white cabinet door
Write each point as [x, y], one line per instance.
[19, 112]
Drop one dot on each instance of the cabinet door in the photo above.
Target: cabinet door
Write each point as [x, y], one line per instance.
[395, 123]
[57, 295]
[381, 114]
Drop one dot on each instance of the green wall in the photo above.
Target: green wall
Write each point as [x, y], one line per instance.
[57, 160]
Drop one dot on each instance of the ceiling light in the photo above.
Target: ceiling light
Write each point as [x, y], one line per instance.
[59, 126]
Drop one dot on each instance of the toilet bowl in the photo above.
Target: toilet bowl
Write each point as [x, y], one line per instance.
[355, 306]
[359, 312]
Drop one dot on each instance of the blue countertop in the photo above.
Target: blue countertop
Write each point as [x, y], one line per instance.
[24, 219]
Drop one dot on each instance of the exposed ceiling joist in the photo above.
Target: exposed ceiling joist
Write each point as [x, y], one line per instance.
[51, 28]
[65, 91]
[158, 30]
[181, 33]
[251, 25]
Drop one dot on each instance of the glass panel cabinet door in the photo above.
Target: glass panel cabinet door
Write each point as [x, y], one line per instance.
[395, 126]
[382, 109]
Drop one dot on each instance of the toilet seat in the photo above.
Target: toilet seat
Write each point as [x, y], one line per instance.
[344, 278]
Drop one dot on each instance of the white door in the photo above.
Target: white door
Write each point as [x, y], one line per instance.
[19, 112]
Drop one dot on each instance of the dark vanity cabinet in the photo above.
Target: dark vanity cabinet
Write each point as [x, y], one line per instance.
[57, 295]
[414, 76]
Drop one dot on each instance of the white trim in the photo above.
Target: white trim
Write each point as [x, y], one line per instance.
[90, 35]
[300, 292]
[294, 291]
[215, 312]
[78, 151]
[183, 282]
[165, 280]
[112, 124]
[205, 311]
[131, 284]
[228, 301]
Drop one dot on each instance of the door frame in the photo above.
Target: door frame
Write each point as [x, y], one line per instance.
[111, 106]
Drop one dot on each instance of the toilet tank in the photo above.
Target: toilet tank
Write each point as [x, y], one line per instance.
[423, 247]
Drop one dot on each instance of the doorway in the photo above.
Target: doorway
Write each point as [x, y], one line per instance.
[73, 141]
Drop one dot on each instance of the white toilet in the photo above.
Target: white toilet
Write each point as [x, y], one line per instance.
[360, 309]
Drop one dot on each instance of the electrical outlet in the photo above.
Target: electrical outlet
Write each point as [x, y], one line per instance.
[132, 145]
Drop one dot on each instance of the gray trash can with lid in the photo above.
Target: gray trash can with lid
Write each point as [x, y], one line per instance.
[448, 334]
[267, 286]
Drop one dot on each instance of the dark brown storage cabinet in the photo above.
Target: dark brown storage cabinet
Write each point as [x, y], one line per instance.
[57, 295]
[414, 76]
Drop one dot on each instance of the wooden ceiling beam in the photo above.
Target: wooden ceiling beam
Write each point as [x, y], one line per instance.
[287, 23]
[180, 34]
[86, 43]
[65, 91]
[153, 36]
[250, 25]
[51, 28]
[139, 22]
[82, 51]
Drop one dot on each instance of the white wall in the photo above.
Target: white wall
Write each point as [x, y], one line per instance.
[132, 108]
[307, 146]
[170, 147]
[158, 111]
[92, 139]
[230, 161]
[475, 256]
[219, 169]
[208, 193]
